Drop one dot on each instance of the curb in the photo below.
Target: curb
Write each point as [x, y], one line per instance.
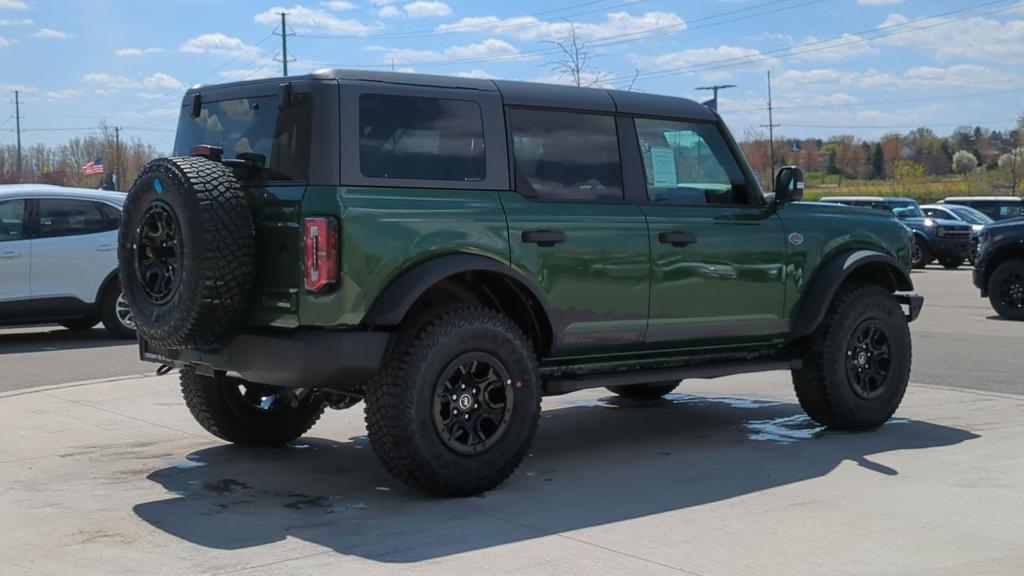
[49, 387]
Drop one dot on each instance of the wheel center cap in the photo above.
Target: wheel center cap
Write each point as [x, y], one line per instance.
[862, 358]
[465, 402]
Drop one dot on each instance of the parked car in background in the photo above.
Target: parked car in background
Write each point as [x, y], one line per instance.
[999, 267]
[58, 258]
[995, 207]
[974, 217]
[948, 241]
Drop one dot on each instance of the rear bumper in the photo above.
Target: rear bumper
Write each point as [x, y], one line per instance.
[295, 359]
[913, 302]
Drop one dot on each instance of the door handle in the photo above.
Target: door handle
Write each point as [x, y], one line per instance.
[106, 248]
[677, 238]
[544, 238]
[9, 254]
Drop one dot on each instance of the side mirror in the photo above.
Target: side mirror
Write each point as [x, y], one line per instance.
[789, 184]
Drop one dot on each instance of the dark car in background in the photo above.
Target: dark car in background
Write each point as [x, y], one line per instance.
[948, 241]
[999, 267]
[995, 207]
[975, 218]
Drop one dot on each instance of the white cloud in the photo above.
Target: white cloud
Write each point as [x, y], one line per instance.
[531, 28]
[490, 48]
[879, 2]
[841, 48]
[112, 82]
[161, 80]
[977, 38]
[389, 11]
[818, 76]
[18, 87]
[956, 76]
[729, 57]
[5, 42]
[303, 19]
[425, 8]
[338, 5]
[218, 43]
[476, 73]
[51, 33]
[137, 51]
[21, 22]
[62, 94]
[13, 5]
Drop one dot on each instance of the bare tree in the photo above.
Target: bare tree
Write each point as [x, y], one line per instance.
[574, 60]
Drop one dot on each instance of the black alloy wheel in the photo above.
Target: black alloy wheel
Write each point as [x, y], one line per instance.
[473, 401]
[158, 259]
[1009, 290]
[868, 359]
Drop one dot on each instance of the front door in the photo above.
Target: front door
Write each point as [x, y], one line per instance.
[14, 256]
[571, 231]
[717, 252]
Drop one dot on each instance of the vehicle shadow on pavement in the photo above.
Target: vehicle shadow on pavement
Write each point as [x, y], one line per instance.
[593, 463]
[57, 339]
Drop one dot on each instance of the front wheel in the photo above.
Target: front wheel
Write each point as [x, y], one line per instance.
[246, 413]
[455, 406]
[1006, 290]
[856, 365]
[951, 264]
[920, 254]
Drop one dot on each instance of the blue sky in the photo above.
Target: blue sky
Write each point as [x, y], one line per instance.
[839, 66]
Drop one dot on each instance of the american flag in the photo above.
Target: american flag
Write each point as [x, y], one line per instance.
[92, 168]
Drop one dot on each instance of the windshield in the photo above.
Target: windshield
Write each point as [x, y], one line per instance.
[909, 211]
[970, 215]
[279, 140]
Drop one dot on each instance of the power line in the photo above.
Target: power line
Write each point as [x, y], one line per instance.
[771, 133]
[17, 122]
[826, 44]
[284, 42]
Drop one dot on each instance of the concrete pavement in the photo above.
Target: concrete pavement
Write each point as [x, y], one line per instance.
[727, 477]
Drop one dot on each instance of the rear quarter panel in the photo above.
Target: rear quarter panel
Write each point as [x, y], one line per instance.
[386, 230]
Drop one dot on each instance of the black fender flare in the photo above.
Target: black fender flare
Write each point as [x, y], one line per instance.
[394, 302]
[921, 237]
[111, 277]
[825, 283]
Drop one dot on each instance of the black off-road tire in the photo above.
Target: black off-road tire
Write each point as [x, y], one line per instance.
[108, 313]
[644, 391]
[218, 406]
[951, 264]
[215, 252]
[921, 255]
[1000, 290]
[823, 387]
[400, 416]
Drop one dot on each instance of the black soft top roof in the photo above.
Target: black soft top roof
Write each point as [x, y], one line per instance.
[517, 93]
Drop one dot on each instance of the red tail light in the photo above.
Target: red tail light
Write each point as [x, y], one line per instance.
[321, 253]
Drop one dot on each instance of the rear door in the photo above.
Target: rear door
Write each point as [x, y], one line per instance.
[572, 231]
[74, 248]
[15, 249]
[717, 252]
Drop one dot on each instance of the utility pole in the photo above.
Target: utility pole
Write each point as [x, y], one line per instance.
[771, 126]
[284, 41]
[117, 158]
[713, 103]
[17, 128]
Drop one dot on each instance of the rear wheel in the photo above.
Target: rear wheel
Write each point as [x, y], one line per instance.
[115, 313]
[950, 264]
[644, 391]
[79, 325]
[1006, 290]
[455, 407]
[856, 365]
[246, 413]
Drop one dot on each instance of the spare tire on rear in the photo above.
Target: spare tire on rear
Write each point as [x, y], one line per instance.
[187, 252]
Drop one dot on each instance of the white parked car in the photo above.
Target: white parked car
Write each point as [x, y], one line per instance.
[58, 258]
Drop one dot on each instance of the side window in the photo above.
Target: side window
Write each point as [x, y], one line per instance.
[566, 155]
[418, 138]
[689, 163]
[111, 216]
[61, 217]
[12, 220]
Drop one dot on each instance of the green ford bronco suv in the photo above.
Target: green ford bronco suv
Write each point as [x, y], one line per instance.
[450, 250]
